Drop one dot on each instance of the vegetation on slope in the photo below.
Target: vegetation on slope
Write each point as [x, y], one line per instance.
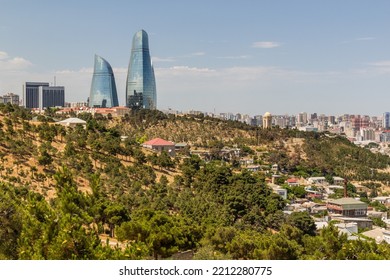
[66, 193]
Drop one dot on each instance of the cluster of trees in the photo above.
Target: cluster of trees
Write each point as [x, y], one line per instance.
[290, 243]
[152, 205]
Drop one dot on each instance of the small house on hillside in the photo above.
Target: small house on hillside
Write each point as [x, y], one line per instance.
[317, 180]
[159, 145]
[292, 182]
[180, 147]
[338, 181]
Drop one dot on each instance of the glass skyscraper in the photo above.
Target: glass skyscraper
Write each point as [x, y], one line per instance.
[103, 92]
[141, 83]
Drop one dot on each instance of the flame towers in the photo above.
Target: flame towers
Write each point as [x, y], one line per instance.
[103, 92]
[141, 83]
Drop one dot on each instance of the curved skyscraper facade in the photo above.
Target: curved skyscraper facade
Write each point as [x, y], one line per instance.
[141, 83]
[103, 89]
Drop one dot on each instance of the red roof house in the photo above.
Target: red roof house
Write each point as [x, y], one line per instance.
[159, 145]
[292, 182]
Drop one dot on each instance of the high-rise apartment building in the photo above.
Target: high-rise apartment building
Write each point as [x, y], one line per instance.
[332, 119]
[302, 119]
[103, 92]
[141, 83]
[386, 120]
[40, 95]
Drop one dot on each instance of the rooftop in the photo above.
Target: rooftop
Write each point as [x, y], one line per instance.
[346, 201]
[292, 180]
[73, 120]
[159, 142]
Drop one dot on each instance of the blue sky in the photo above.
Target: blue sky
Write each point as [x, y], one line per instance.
[245, 56]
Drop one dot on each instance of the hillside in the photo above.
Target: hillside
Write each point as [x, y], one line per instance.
[65, 190]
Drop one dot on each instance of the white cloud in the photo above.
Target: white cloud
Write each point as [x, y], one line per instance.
[12, 64]
[198, 54]
[88, 70]
[235, 57]
[265, 45]
[175, 59]
[120, 70]
[3, 55]
[384, 63]
[162, 59]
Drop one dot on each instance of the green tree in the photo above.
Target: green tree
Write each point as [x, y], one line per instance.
[165, 161]
[10, 223]
[303, 221]
[115, 214]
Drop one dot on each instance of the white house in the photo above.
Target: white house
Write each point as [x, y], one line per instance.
[317, 180]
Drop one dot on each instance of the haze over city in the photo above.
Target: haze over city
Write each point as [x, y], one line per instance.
[250, 56]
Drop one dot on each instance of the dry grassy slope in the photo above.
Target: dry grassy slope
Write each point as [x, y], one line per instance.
[294, 146]
[23, 173]
[194, 132]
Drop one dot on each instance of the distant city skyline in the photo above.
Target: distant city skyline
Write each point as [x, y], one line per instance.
[251, 57]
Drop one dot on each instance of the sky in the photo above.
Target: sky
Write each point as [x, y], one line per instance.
[247, 56]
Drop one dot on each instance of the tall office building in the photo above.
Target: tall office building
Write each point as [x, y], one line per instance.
[40, 95]
[31, 94]
[141, 82]
[386, 120]
[103, 92]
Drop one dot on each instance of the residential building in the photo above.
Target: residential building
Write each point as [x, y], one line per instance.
[253, 168]
[379, 235]
[114, 112]
[338, 181]
[385, 200]
[76, 104]
[384, 136]
[180, 147]
[141, 82]
[258, 119]
[292, 182]
[367, 134]
[280, 121]
[159, 145]
[39, 95]
[308, 128]
[332, 119]
[103, 92]
[302, 119]
[317, 180]
[386, 120]
[280, 191]
[10, 98]
[348, 207]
